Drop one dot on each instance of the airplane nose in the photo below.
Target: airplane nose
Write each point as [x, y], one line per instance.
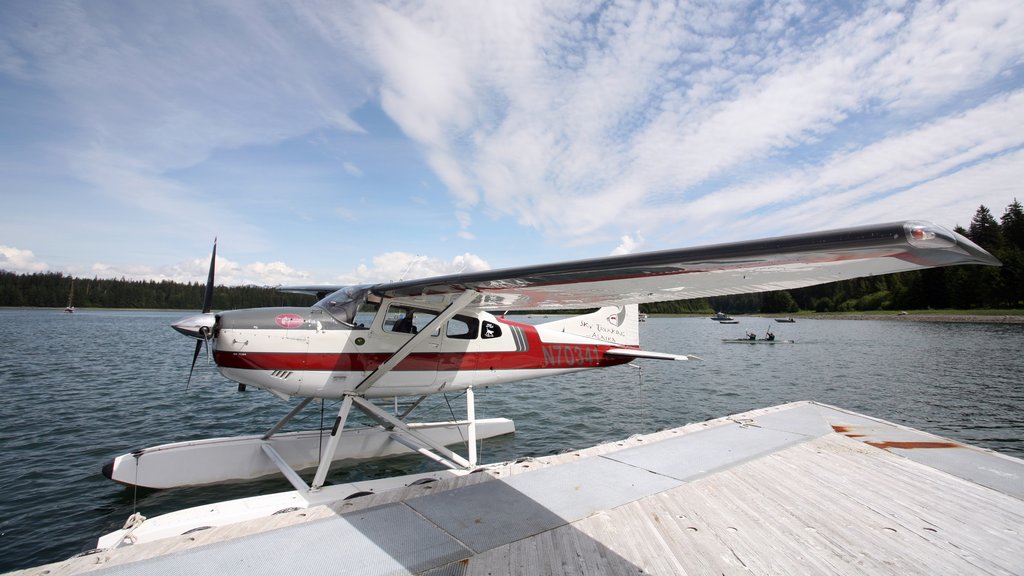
[195, 326]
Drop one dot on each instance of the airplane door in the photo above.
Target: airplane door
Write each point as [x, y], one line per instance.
[394, 325]
[458, 361]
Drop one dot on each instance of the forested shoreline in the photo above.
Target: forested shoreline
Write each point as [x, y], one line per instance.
[959, 287]
[53, 290]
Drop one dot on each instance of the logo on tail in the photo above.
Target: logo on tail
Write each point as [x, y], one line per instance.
[618, 318]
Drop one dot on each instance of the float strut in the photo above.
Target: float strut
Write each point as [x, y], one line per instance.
[332, 445]
[280, 424]
[471, 417]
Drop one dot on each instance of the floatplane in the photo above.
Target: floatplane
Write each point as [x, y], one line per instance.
[442, 335]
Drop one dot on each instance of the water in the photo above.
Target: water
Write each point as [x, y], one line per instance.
[82, 388]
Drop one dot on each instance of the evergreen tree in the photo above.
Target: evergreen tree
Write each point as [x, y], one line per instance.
[1012, 225]
[778, 301]
[984, 229]
[1012, 255]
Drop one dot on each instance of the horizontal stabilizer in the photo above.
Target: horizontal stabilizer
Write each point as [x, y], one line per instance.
[633, 353]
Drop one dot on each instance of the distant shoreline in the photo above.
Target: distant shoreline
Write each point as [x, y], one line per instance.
[951, 318]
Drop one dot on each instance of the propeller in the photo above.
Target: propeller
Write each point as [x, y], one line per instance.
[200, 327]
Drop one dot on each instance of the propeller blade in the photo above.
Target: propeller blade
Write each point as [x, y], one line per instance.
[201, 330]
[208, 295]
[195, 356]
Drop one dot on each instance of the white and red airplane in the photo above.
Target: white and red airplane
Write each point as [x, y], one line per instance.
[433, 335]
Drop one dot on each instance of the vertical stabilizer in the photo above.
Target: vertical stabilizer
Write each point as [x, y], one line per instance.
[616, 324]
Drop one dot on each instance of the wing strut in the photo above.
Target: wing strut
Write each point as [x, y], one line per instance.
[454, 308]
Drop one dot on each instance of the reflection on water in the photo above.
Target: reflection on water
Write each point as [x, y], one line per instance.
[81, 388]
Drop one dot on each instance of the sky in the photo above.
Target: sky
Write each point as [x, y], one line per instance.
[335, 142]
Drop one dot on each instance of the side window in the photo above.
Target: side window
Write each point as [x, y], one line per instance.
[407, 319]
[490, 330]
[365, 315]
[462, 327]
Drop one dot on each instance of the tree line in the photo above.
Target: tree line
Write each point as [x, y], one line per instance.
[54, 290]
[959, 287]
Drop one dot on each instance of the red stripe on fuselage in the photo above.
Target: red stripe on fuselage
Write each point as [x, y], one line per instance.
[539, 355]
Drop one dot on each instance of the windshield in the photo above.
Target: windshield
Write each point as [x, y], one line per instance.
[344, 304]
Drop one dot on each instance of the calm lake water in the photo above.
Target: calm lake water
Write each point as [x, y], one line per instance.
[82, 388]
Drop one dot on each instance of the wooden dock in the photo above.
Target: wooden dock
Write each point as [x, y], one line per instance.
[802, 488]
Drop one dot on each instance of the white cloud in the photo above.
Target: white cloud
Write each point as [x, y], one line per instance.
[395, 266]
[352, 169]
[20, 261]
[945, 48]
[227, 272]
[344, 121]
[848, 186]
[628, 245]
[576, 121]
[141, 94]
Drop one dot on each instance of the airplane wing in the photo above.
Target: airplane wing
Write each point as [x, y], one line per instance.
[318, 290]
[784, 262]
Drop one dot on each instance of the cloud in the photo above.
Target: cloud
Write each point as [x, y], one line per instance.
[227, 273]
[465, 220]
[343, 121]
[143, 94]
[574, 122]
[628, 245]
[387, 267]
[352, 169]
[395, 266]
[849, 186]
[20, 261]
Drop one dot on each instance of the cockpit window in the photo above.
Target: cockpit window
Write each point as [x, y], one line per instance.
[344, 304]
[462, 327]
[407, 319]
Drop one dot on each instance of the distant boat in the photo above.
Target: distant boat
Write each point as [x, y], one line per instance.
[70, 308]
[789, 320]
[758, 341]
[721, 316]
[729, 321]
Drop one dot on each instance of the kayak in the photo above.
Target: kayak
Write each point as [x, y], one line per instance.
[759, 341]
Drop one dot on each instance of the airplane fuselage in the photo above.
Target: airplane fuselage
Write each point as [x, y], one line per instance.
[306, 352]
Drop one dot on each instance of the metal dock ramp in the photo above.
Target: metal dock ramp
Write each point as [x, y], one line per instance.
[802, 488]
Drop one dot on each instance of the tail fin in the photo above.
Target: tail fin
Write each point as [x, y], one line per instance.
[616, 324]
